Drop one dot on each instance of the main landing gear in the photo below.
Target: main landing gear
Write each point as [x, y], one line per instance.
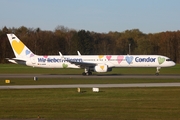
[157, 71]
[87, 72]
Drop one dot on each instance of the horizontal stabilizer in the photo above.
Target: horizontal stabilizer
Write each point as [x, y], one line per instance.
[17, 59]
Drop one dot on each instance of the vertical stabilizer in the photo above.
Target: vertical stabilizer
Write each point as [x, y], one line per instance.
[19, 49]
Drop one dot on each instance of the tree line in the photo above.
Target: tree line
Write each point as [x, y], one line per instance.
[68, 41]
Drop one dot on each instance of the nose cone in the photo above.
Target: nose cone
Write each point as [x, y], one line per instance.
[172, 63]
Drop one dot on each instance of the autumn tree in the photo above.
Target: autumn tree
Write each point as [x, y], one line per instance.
[85, 42]
[68, 41]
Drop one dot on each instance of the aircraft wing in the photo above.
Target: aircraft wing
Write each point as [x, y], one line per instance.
[81, 64]
[78, 63]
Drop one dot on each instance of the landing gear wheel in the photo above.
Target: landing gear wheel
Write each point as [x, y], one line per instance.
[89, 73]
[156, 74]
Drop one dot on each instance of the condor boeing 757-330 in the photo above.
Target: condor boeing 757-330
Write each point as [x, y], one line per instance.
[90, 63]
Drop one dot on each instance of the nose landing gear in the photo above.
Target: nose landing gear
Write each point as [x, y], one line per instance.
[157, 71]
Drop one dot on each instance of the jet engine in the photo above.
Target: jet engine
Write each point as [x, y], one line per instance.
[102, 68]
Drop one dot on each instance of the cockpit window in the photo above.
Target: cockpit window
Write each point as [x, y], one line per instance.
[168, 60]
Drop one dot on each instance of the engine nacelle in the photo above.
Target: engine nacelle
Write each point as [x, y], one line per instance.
[102, 68]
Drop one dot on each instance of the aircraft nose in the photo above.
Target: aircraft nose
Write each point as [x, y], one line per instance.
[173, 63]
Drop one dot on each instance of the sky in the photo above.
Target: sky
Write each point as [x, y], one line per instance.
[102, 16]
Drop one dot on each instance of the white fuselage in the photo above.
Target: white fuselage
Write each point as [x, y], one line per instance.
[109, 60]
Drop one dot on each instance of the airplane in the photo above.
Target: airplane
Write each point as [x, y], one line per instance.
[90, 63]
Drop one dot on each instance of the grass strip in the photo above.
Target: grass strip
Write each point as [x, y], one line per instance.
[109, 103]
[20, 69]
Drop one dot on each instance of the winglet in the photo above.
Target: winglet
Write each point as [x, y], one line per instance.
[60, 54]
[79, 54]
[62, 57]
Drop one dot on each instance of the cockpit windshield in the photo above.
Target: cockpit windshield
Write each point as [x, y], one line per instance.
[168, 59]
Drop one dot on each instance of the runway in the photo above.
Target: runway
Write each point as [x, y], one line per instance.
[92, 86]
[8, 76]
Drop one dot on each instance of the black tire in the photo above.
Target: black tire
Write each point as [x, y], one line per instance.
[157, 74]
